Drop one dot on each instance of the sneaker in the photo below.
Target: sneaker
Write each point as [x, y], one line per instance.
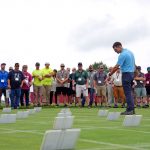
[123, 106]
[89, 106]
[138, 106]
[115, 106]
[145, 106]
[132, 112]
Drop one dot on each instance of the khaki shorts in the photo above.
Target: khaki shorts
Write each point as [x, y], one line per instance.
[81, 89]
[38, 90]
[101, 90]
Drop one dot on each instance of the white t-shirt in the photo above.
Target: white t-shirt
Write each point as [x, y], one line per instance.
[117, 79]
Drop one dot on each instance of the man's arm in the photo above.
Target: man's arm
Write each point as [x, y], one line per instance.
[114, 69]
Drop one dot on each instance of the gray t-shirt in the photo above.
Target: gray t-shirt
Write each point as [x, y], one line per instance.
[140, 84]
[91, 79]
[62, 75]
[100, 77]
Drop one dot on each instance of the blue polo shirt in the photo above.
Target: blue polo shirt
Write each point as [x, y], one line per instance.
[3, 79]
[126, 61]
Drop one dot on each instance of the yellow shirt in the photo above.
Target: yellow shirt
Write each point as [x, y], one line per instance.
[37, 82]
[47, 80]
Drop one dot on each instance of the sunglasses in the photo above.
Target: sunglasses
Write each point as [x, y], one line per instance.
[62, 66]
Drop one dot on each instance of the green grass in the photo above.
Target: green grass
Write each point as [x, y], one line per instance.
[96, 132]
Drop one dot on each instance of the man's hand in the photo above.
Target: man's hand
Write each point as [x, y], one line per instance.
[9, 87]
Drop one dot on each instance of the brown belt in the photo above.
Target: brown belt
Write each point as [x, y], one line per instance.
[118, 86]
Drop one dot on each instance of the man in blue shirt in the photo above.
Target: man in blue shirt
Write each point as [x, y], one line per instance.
[126, 62]
[3, 83]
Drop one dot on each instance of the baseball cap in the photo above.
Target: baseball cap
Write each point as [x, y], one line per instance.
[80, 64]
[148, 68]
[47, 63]
[3, 64]
[62, 65]
[37, 64]
[138, 67]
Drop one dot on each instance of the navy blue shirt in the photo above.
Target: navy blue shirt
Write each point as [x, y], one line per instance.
[3, 79]
[16, 78]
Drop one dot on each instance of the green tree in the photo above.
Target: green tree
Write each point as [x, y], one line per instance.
[97, 64]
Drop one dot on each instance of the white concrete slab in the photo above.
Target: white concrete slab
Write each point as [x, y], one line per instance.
[22, 114]
[60, 139]
[103, 113]
[6, 110]
[64, 114]
[31, 111]
[132, 120]
[37, 109]
[62, 123]
[113, 116]
[7, 118]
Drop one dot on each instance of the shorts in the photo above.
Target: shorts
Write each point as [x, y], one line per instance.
[2, 91]
[81, 89]
[140, 92]
[38, 90]
[148, 90]
[101, 90]
[61, 90]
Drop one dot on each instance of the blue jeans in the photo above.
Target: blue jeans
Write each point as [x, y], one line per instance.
[91, 92]
[15, 97]
[127, 78]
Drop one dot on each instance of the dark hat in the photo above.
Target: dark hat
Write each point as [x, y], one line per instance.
[47, 63]
[37, 64]
[138, 67]
[148, 68]
[3, 64]
[62, 65]
[80, 64]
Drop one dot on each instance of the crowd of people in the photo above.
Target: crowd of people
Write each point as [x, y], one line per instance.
[81, 87]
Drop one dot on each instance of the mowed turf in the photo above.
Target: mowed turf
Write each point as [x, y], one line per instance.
[96, 132]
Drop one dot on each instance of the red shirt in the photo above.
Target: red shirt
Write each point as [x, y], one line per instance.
[147, 76]
[28, 78]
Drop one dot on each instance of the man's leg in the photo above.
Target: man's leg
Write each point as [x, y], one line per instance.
[122, 96]
[104, 97]
[91, 96]
[17, 99]
[110, 94]
[116, 97]
[127, 79]
[27, 97]
[40, 95]
[35, 88]
[0, 96]
[78, 94]
[12, 95]
[22, 97]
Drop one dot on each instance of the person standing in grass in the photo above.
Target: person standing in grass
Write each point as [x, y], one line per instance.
[100, 84]
[147, 76]
[126, 62]
[37, 85]
[15, 83]
[91, 90]
[118, 89]
[81, 79]
[62, 77]
[47, 74]
[140, 90]
[25, 90]
[53, 89]
[3, 84]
